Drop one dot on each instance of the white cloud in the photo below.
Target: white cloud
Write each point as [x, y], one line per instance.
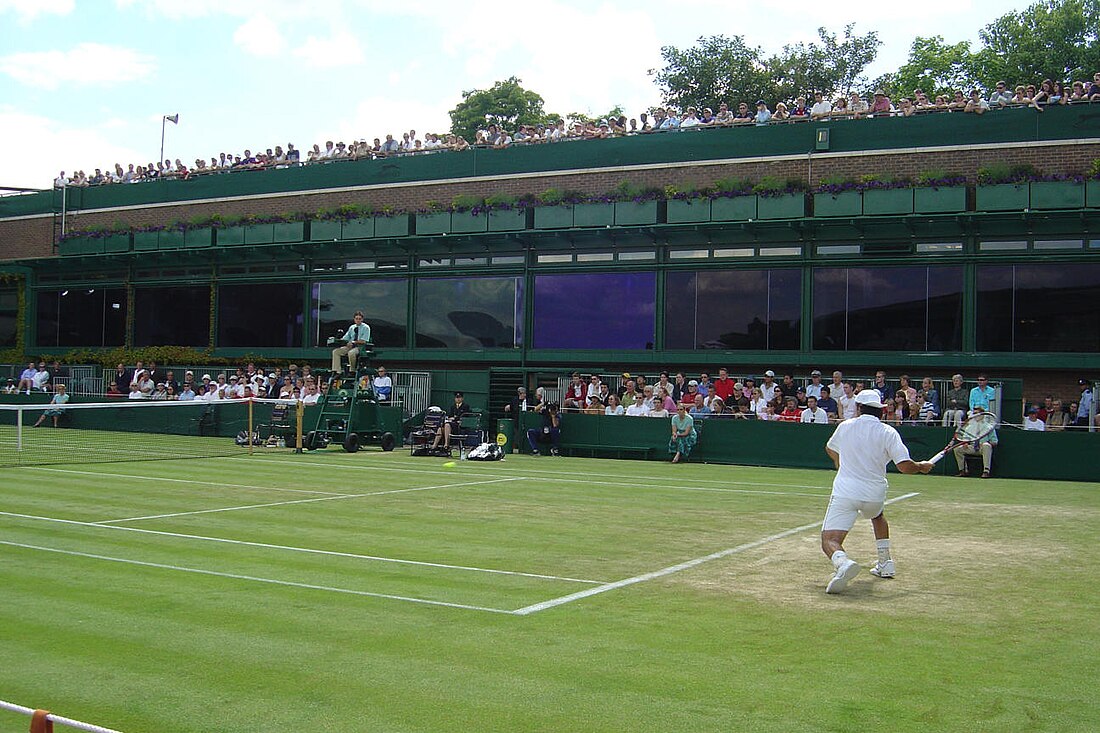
[340, 49]
[47, 146]
[260, 36]
[28, 10]
[87, 63]
[376, 116]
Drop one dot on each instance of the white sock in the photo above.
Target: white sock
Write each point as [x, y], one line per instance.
[839, 557]
[883, 549]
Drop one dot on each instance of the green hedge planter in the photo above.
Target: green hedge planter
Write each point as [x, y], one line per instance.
[326, 230]
[230, 236]
[635, 213]
[145, 241]
[466, 222]
[553, 217]
[170, 239]
[1092, 194]
[289, 231]
[259, 233]
[437, 222]
[508, 220]
[888, 201]
[398, 225]
[80, 246]
[946, 199]
[688, 211]
[1057, 195]
[117, 243]
[845, 203]
[1002, 197]
[197, 238]
[733, 208]
[787, 206]
[593, 215]
[360, 228]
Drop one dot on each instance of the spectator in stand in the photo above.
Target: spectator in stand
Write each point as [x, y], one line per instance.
[699, 409]
[593, 407]
[956, 404]
[769, 387]
[684, 436]
[902, 407]
[10, 388]
[909, 390]
[885, 391]
[143, 383]
[929, 401]
[649, 398]
[705, 386]
[26, 378]
[41, 380]
[187, 394]
[821, 109]
[800, 112]
[613, 406]
[813, 413]
[160, 392]
[906, 108]
[813, 389]
[638, 408]
[1084, 404]
[679, 387]
[312, 395]
[747, 388]
[983, 447]
[763, 114]
[837, 385]
[881, 106]
[781, 113]
[659, 410]
[518, 404]
[743, 116]
[688, 397]
[382, 385]
[56, 410]
[665, 399]
[122, 375]
[856, 106]
[828, 404]
[847, 402]
[758, 404]
[976, 105]
[1094, 88]
[983, 395]
[788, 388]
[1032, 421]
[1057, 418]
[113, 390]
[790, 412]
[1001, 96]
[718, 407]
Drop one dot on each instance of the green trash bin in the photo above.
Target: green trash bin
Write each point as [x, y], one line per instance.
[506, 432]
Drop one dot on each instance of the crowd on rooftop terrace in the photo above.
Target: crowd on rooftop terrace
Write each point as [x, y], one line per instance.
[656, 120]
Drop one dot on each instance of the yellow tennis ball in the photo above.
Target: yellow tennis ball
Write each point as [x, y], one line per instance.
[449, 464]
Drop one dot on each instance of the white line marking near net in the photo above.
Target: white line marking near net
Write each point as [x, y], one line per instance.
[182, 481]
[550, 479]
[553, 602]
[255, 579]
[292, 548]
[302, 501]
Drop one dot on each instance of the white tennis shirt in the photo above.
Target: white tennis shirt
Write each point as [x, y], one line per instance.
[866, 445]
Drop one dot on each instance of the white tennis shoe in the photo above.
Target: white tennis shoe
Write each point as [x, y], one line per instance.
[844, 573]
[883, 569]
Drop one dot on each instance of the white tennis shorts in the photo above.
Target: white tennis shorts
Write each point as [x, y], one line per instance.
[842, 512]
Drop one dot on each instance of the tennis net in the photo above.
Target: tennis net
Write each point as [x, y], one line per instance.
[143, 431]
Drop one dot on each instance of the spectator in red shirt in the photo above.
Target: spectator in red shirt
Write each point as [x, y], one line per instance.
[791, 413]
[575, 394]
[724, 386]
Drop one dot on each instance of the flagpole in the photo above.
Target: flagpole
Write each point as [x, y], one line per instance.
[163, 122]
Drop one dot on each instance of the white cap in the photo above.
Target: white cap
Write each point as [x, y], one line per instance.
[869, 397]
[206, 376]
[769, 373]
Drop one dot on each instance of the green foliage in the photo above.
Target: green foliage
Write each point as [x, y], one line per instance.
[778, 185]
[1056, 39]
[829, 65]
[1006, 173]
[1094, 169]
[733, 184]
[505, 104]
[164, 355]
[500, 200]
[465, 202]
[935, 67]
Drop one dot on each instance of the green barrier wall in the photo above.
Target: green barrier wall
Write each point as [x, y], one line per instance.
[1020, 454]
[1012, 125]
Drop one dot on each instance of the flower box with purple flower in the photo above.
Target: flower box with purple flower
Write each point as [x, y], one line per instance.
[146, 241]
[1057, 195]
[230, 235]
[553, 217]
[362, 228]
[198, 237]
[467, 222]
[259, 233]
[688, 211]
[328, 230]
[840, 203]
[116, 243]
[888, 201]
[85, 245]
[733, 208]
[635, 213]
[170, 239]
[433, 222]
[784, 206]
[507, 220]
[397, 225]
[1002, 197]
[939, 200]
[1092, 193]
[594, 215]
[289, 231]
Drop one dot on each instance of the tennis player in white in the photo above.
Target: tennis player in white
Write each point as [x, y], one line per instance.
[861, 448]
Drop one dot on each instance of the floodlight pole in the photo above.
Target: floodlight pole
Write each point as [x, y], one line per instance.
[174, 119]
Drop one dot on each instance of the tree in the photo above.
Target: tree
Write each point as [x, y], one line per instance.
[717, 69]
[1055, 39]
[829, 66]
[936, 67]
[506, 104]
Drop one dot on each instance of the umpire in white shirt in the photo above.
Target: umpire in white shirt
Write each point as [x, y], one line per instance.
[357, 335]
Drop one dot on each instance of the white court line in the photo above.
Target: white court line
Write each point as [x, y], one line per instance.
[535, 608]
[302, 501]
[292, 548]
[181, 481]
[659, 487]
[255, 579]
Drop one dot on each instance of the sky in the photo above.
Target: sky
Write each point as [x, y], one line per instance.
[86, 83]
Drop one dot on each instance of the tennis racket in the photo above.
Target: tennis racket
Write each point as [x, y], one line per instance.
[970, 431]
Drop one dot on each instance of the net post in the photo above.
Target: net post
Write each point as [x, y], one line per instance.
[299, 412]
[19, 430]
[40, 722]
[250, 404]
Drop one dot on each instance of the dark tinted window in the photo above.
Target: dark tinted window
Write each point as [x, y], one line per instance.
[9, 314]
[595, 311]
[733, 309]
[384, 303]
[888, 308]
[172, 316]
[82, 317]
[1039, 308]
[469, 313]
[260, 314]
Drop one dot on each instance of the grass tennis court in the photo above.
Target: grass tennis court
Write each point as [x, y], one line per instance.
[337, 592]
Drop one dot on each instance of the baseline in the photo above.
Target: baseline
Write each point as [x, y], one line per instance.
[256, 579]
[553, 602]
